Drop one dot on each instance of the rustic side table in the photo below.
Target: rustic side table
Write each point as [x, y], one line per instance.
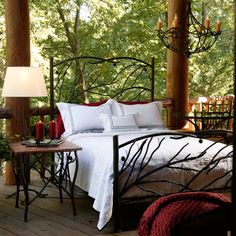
[61, 177]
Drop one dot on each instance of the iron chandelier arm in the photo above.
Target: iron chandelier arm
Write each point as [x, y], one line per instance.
[188, 36]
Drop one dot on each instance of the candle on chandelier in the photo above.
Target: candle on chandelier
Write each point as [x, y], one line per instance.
[175, 21]
[207, 23]
[200, 29]
[53, 131]
[159, 24]
[218, 25]
[39, 131]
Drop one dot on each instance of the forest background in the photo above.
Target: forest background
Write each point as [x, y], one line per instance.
[108, 28]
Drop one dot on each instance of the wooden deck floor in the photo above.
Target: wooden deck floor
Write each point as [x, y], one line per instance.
[47, 216]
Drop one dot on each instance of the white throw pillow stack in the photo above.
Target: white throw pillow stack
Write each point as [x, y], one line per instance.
[147, 115]
[110, 116]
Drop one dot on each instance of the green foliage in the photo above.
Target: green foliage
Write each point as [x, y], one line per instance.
[126, 28]
[2, 49]
[5, 153]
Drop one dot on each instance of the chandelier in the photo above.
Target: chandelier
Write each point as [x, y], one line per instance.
[188, 35]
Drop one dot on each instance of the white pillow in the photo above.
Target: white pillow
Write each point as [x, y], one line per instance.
[147, 115]
[118, 123]
[79, 118]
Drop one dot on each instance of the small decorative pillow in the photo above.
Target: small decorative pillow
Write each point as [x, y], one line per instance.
[147, 115]
[118, 123]
[78, 118]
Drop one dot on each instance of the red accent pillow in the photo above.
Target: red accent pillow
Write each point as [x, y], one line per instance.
[60, 126]
[133, 102]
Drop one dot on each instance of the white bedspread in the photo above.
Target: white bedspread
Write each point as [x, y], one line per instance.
[95, 174]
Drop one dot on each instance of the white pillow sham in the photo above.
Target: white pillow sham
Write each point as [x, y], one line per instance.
[147, 115]
[118, 123]
[78, 118]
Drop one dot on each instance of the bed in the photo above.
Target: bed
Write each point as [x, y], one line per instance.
[128, 154]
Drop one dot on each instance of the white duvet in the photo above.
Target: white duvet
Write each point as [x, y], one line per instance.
[95, 174]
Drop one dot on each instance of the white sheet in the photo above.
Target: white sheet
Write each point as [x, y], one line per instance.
[95, 174]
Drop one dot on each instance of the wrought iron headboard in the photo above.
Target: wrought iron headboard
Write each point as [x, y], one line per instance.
[89, 79]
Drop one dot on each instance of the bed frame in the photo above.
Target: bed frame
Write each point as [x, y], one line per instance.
[88, 82]
[85, 78]
[130, 164]
[92, 79]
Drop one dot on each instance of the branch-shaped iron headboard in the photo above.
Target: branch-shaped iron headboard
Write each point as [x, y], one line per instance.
[89, 79]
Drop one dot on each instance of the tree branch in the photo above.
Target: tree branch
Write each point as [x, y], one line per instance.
[67, 28]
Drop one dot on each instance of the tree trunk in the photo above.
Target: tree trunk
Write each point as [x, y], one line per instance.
[177, 70]
[18, 54]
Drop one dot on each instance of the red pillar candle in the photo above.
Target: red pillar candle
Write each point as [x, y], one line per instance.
[39, 131]
[53, 131]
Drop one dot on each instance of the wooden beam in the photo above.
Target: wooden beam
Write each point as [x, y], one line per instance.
[18, 54]
[177, 69]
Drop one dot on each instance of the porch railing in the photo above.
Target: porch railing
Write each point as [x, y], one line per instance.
[212, 104]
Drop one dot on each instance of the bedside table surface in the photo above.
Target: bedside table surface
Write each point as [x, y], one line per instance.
[19, 148]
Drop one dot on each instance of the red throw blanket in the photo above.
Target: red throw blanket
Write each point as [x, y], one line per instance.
[163, 215]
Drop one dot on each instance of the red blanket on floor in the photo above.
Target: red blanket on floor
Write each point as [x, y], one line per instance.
[163, 215]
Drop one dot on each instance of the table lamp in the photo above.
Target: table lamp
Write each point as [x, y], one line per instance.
[21, 81]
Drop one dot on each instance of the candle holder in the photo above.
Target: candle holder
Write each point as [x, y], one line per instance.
[51, 139]
[37, 141]
[44, 143]
[191, 38]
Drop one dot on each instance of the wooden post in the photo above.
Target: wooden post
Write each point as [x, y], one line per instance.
[233, 190]
[18, 54]
[177, 69]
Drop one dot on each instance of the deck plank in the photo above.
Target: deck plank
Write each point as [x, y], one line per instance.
[47, 216]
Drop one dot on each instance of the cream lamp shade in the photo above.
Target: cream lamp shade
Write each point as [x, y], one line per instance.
[23, 81]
